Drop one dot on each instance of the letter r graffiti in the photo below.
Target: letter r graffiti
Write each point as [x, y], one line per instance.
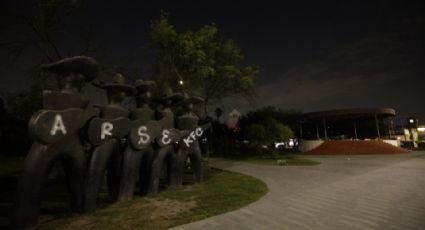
[105, 130]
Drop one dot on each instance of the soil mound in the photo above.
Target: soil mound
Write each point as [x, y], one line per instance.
[356, 148]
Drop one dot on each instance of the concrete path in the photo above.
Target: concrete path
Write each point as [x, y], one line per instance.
[344, 192]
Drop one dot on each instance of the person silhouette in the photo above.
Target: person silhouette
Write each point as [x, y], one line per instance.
[139, 151]
[55, 131]
[106, 133]
[165, 152]
[189, 148]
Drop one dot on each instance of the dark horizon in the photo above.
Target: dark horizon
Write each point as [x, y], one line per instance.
[312, 55]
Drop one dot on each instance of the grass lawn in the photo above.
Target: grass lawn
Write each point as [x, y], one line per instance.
[221, 192]
[283, 160]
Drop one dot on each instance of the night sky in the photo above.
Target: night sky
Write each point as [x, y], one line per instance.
[312, 55]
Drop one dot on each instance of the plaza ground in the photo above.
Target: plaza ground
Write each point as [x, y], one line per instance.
[343, 192]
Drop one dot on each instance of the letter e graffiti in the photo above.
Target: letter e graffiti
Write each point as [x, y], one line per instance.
[165, 139]
[106, 129]
[144, 137]
[58, 125]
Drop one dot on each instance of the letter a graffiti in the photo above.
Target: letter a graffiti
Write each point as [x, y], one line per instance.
[58, 125]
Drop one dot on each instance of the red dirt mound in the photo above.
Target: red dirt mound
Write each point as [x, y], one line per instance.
[355, 148]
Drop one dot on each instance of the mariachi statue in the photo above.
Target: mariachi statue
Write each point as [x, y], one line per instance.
[139, 152]
[106, 133]
[56, 133]
[169, 136]
[189, 146]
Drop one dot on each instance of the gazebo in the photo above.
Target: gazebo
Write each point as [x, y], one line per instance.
[344, 118]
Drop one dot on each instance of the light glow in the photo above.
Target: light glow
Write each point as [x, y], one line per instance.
[291, 143]
[278, 144]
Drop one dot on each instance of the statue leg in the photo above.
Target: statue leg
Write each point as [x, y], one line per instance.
[180, 165]
[145, 169]
[75, 166]
[130, 173]
[157, 164]
[196, 162]
[37, 165]
[114, 171]
[96, 170]
[175, 177]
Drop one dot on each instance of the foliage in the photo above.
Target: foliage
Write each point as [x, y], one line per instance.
[14, 122]
[25, 103]
[221, 192]
[268, 131]
[218, 112]
[206, 65]
[222, 141]
[283, 132]
[41, 29]
[270, 116]
[256, 133]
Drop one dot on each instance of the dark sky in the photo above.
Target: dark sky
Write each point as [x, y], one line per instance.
[312, 55]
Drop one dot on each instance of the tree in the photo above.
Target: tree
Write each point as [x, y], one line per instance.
[263, 115]
[267, 117]
[200, 62]
[46, 28]
[256, 133]
[283, 132]
[218, 112]
[41, 28]
[21, 106]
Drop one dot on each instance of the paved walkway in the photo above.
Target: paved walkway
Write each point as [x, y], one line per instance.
[344, 192]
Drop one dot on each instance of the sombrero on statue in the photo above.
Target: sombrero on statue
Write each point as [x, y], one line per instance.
[189, 100]
[168, 94]
[119, 84]
[143, 86]
[84, 65]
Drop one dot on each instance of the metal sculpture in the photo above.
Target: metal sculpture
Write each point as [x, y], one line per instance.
[55, 130]
[106, 133]
[189, 146]
[139, 152]
[127, 150]
[165, 152]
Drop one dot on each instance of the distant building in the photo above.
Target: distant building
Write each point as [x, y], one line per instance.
[348, 124]
[357, 123]
[233, 119]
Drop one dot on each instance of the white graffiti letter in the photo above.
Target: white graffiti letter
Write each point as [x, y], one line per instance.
[106, 129]
[192, 135]
[58, 125]
[144, 137]
[187, 141]
[165, 139]
[199, 131]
